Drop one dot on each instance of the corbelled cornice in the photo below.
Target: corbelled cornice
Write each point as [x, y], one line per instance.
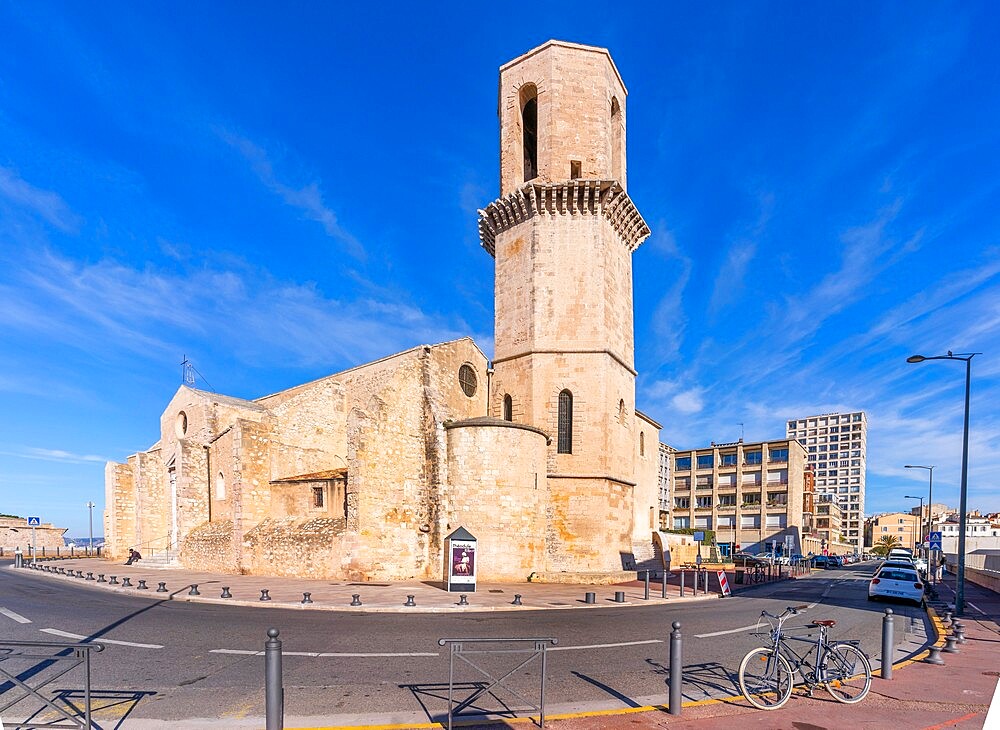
[571, 197]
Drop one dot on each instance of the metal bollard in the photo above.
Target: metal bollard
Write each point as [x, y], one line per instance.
[100, 578]
[79, 574]
[410, 601]
[887, 645]
[274, 693]
[90, 576]
[162, 588]
[589, 597]
[934, 657]
[646, 595]
[225, 592]
[619, 596]
[517, 600]
[949, 645]
[958, 631]
[194, 590]
[696, 582]
[113, 581]
[126, 582]
[307, 598]
[356, 599]
[264, 595]
[663, 585]
[682, 583]
[142, 585]
[463, 600]
[947, 617]
[676, 670]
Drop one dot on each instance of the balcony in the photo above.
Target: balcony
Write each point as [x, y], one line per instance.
[751, 506]
[726, 507]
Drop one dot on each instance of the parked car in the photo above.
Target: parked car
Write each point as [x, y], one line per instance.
[748, 560]
[835, 561]
[797, 558]
[821, 561]
[896, 583]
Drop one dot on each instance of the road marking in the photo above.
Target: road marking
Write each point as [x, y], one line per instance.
[250, 652]
[728, 631]
[102, 640]
[754, 626]
[22, 620]
[967, 603]
[604, 646]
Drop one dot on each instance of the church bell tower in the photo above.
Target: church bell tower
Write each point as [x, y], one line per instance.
[562, 234]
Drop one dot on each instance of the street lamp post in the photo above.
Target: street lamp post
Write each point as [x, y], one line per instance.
[930, 510]
[963, 495]
[90, 545]
[920, 521]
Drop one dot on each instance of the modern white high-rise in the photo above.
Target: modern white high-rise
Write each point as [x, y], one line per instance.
[836, 447]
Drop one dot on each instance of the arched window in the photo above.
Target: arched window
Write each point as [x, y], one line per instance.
[508, 408]
[621, 411]
[220, 486]
[529, 130]
[642, 443]
[565, 445]
[617, 131]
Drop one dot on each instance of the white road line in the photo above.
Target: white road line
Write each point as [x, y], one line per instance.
[728, 631]
[102, 640]
[22, 620]
[967, 603]
[604, 646]
[249, 652]
[754, 626]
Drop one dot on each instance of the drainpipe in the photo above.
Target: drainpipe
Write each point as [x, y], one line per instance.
[489, 384]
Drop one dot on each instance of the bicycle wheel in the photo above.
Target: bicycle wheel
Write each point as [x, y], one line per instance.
[765, 679]
[846, 673]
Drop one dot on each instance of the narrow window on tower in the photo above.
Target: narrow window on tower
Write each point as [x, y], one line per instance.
[574, 169]
[529, 131]
[617, 133]
[508, 408]
[642, 443]
[565, 445]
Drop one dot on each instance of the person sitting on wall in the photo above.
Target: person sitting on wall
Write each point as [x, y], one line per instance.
[133, 556]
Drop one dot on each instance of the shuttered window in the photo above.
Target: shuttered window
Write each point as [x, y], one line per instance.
[565, 445]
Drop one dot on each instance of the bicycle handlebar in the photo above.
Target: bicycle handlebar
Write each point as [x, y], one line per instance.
[789, 611]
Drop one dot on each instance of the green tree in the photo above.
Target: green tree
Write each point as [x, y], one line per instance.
[885, 544]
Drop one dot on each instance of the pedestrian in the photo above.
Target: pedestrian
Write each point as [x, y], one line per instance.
[133, 556]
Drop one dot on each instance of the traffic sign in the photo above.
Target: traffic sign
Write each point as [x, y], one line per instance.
[34, 522]
[699, 536]
[935, 541]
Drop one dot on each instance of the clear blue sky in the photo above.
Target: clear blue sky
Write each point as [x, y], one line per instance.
[280, 191]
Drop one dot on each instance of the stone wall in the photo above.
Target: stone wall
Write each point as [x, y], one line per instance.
[15, 533]
[119, 512]
[499, 499]
[589, 525]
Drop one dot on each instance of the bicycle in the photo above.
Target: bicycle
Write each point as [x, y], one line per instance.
[766, 674]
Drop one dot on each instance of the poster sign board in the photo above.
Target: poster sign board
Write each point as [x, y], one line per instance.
[462, 561]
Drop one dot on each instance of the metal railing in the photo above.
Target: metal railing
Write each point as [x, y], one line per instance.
[163, 544]
[468, 650]
[24, 661]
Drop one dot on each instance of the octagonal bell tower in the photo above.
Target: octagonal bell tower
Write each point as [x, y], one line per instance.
[562, 233]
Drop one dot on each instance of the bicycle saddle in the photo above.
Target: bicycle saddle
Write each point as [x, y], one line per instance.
[828, 622]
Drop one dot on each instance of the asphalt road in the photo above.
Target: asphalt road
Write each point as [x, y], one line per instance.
[177, 660]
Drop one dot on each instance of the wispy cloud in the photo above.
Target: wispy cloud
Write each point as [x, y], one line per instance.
[729, 282]
[669, 318]
[308, 199]
[44, 203]
[40, 454]
[108, 307]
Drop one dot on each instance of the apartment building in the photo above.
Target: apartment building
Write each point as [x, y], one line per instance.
[828, 521]
[750, 494]
[665, 453]
[836, 448]
[904, 526]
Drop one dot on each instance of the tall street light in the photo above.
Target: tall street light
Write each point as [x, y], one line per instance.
[963, 495]
[920, 520]
[930, 509]
[90, 545]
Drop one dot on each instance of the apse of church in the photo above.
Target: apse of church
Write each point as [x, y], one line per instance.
[540, 453]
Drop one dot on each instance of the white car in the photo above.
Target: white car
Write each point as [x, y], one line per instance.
[921, 565]
[897, 583]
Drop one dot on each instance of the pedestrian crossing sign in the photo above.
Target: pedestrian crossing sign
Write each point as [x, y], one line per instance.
[34, 522]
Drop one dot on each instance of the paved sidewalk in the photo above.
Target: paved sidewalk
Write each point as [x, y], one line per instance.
[327, 595]
[920, 695]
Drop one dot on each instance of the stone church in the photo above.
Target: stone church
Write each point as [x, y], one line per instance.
[540, 453]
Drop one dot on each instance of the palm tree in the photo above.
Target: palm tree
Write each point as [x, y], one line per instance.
[885, 544]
